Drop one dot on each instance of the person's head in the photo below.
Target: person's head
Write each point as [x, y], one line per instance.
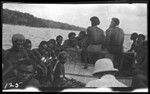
[94, 21]
[59, 39]
[43, 45]
[28, 44]
[62, 57]
[134, 36]
[45, 52]
[18, 41]
[114, 22]
[51, 43]
[104, 66]
[71, 36]
[82, 34]
[141, 38]
[25, 70]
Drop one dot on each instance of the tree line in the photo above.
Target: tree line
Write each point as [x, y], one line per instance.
[19, 18]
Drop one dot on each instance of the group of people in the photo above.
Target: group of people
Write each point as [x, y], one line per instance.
[140, 68]
[106, 67]
[44, 66]
[38, 67]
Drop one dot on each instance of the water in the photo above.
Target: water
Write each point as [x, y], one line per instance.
[36, 35]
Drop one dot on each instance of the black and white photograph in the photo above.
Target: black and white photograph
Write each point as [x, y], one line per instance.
[74, 46]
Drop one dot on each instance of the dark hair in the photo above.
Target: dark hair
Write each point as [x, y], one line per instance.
[59, 36]
[17, 37]
[82, 33]
[116, 20]
[27, 41]
[43, 43]
[95, 20]
[134, 35]
[70, 34]
[62, 55]
[141, 36]
[53, 41]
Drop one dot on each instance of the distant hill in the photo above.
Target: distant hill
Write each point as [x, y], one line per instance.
[19, 18]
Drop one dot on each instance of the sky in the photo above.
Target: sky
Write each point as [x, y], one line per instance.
[133, 17]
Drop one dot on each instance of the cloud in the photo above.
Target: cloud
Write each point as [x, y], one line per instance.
[129, 9]
[142, 10]
[133, 17]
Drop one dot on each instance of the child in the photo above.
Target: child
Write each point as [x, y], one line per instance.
[59, 69]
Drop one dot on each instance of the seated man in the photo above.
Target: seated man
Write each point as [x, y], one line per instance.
[104, 70]
[13, 55]
[82, 42]
[59, 69]
[133, 37]
[140, 40]
[140, 71]
[27, 47]
[47, 60]
[71, 46]
[71, 42]
[52, 47]
[59, 46]
[39, 54]
[28, 44]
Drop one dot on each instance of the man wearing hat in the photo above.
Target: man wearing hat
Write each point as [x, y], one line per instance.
[104, 71]
[95, 38]
[114, 41]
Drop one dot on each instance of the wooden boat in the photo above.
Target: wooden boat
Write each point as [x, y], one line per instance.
[75, 69]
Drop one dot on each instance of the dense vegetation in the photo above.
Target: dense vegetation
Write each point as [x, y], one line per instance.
[19, 18]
